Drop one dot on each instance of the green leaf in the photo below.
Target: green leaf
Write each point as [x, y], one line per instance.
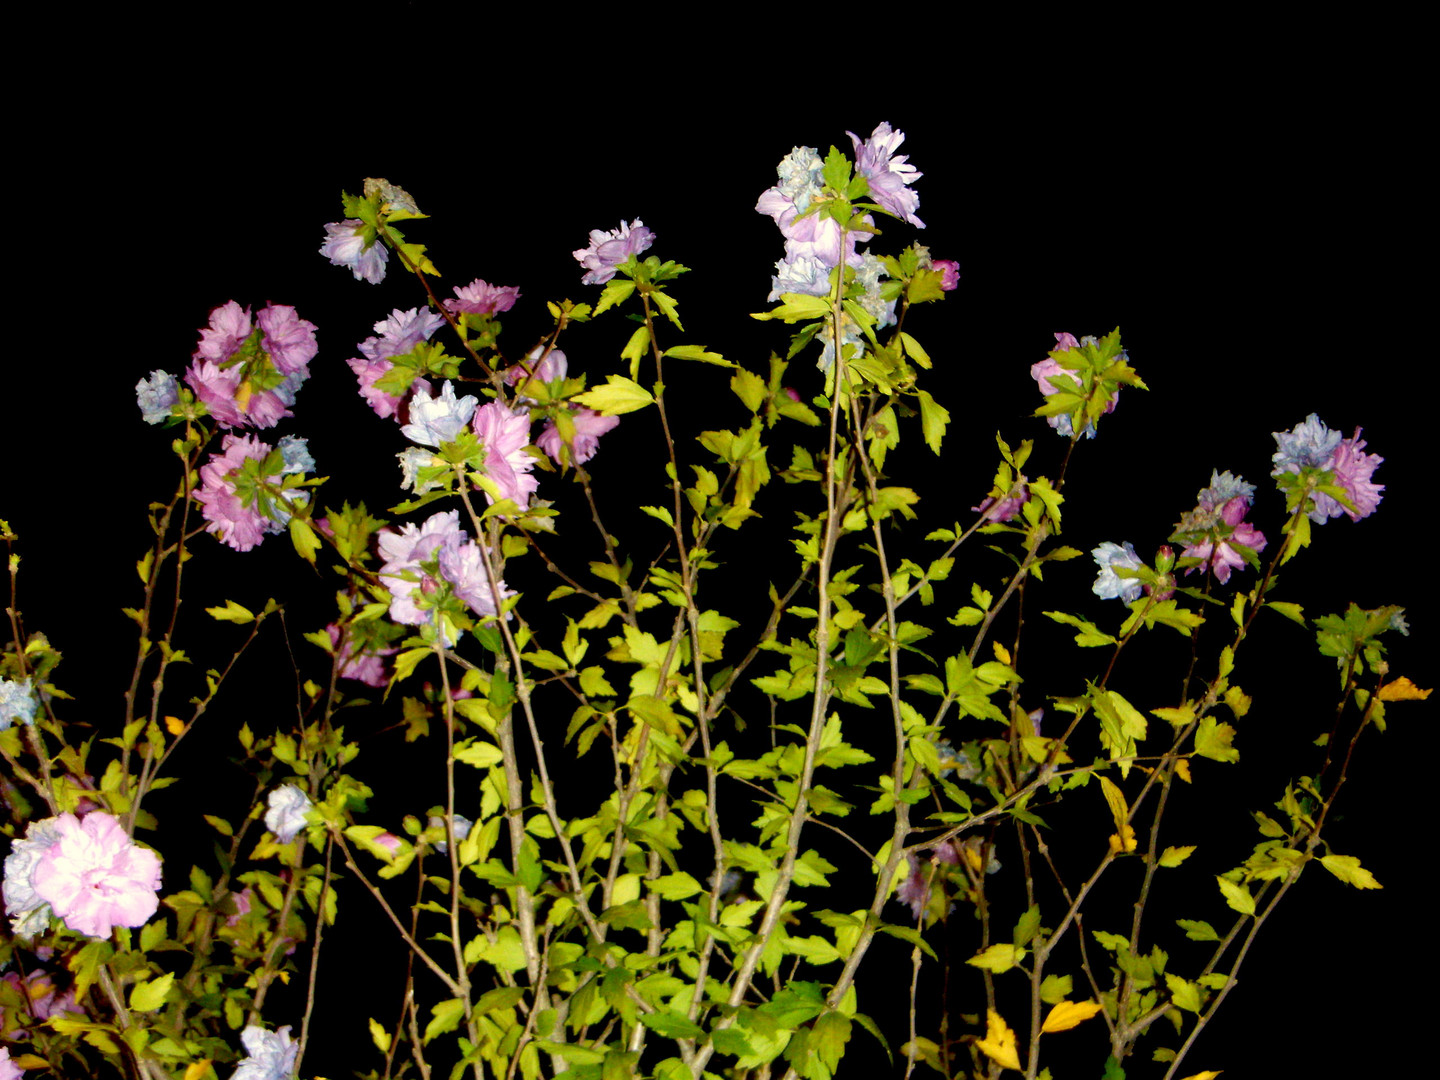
[482, 755]
[933, 420]
[998, 958]
[671, 1026]
[1348, 869]
[618, 395]
[1213, 740]
[1237, 896]
[149, 996]
[1090, 635]
[1197, 929]
[698, 352]
[1174, 856]
[675, 886]
[231, 612]
[1055, 988]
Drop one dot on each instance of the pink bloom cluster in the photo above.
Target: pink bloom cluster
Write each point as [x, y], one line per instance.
[239, 521]
[608, 250]
[589, 424]
[1223, 504]
[365, 667]
[89, 872]
[421, 559]
[237, 352]
[394, 336]
[1310, 444]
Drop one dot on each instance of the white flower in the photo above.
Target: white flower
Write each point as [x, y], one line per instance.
[271, 1054]
[434, 420]
[286, 816]
[29, 914]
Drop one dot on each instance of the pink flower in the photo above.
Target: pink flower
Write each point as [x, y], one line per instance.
[242, 901]
[239, 525]
[551, 369]
[368, 372]
[1224, 503]
[8, 1069]
[468, 572]
[1353, 470]
[95, 877]
[368, 668]
[248, 376]
[589, 426]
[482, 298]
[505, 434]
[405, 551]
[949, 273]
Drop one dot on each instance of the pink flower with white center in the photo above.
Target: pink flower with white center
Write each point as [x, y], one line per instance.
[95, 877]
[889, 174]
[608, 250]
[238, 525]
[505, 433]
[482, 298]
[589, 426]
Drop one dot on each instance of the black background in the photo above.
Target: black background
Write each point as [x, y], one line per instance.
[1244, 205]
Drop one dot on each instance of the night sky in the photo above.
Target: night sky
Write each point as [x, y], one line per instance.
[1248, 226]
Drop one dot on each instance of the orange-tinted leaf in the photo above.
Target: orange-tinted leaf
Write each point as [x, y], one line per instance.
[1067, 1014]
[1402, 689]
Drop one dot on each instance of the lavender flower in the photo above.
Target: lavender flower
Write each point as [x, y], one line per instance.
[1310, 445]
[468, 571]
[8, 1069]
[1109, 585]
[95, 877]
[1008, 508]
[890, 175]
[156, 395]
[435, 420]
[345, 246]
[285, 817]
[270, 1055]
[1216, 522]
[463, 825]
[460, 563]
[608, 250]
[17, 702]
[400, 332]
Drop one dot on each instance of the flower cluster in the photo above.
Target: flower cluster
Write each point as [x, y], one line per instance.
[17, 702]
[607, 250]
[395, 336]
[1215, 532]
[243, 491]
[1310, 445]
[588, 425]
[421, 561]
[816, 242]
[246, 371]
[87, 872]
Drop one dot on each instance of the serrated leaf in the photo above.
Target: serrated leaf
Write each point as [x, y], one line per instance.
[619, 395]
[1174, 856]
[1402, 689]
[231, 612]
[1197, 929]
[149, 996]
[1348, 869]
[1068, 1014]
[996, 958]
[999, 1042]
[1237, 896]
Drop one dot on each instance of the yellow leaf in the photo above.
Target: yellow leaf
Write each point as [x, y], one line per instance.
[1067, 1014]
[1402, 689]
[1116, 799]
[1208, 1074]
[1182, 770]
[1128, 844]
[174, 725]
[999, 1042]
[197, 1069]
[1001, 653]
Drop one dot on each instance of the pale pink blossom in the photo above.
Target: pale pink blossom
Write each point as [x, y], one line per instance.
[505, 433]
[95, 877]
[482, 298]
[238, 525]
[345, 246]
[368, 668]
[589, 426]
[8, 1069]
[608, 250]
[289, 339]
[468, 572]
[405, 551]
[368, 372]
[889, 174]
